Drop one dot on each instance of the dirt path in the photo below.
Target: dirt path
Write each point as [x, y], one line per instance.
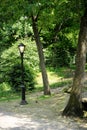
[38, 114]
[9, 121]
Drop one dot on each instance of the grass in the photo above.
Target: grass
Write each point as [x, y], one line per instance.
[9, 95]
[42, 97]
[58, 77]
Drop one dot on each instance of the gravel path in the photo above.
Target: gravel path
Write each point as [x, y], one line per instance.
[40, 115]
[8, 121]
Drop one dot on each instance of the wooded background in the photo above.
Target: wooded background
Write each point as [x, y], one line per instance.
[51, 31]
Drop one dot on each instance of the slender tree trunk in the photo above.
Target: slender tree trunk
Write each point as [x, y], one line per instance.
[41, 57]
[74, 106]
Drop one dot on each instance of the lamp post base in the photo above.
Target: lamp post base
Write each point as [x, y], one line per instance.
[23, 102]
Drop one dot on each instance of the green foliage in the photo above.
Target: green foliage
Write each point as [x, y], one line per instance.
[58, 22]
[15, 77]
[10, 64]
[60, 17]
[63, 72]
[6, 93]
[60, 84]
[4, 87]
[10, 11]
[11, 33]
[61, 53]
[60, 33]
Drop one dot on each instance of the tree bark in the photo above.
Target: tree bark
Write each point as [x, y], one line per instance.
[74, 106]
[41, 56]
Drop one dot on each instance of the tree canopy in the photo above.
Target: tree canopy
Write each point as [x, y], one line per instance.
[53, 25]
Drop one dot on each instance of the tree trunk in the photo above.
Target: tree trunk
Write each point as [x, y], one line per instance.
[74, 106]
[41, 57]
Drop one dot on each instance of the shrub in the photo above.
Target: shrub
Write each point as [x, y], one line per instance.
[15, 77]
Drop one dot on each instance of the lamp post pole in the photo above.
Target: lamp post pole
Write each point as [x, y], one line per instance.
[21, 49]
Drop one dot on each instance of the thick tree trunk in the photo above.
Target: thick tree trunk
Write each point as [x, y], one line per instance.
[41, 57]
[74, 106]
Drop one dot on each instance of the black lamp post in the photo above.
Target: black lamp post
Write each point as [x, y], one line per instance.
[21, 47]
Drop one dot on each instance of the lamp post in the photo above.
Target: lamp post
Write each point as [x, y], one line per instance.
[21, 47]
